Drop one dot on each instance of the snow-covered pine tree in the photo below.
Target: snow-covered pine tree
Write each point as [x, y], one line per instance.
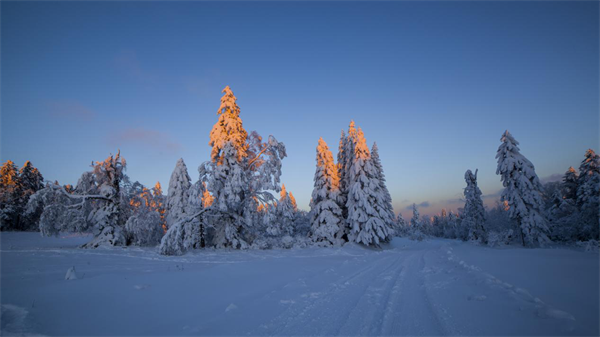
[31, 181]
[228, 128]
[178, 193]
[474, 212]
[9, 195]
[325, 213]
[241, 172]
[195, 197]
[385, 193]
[94, 204]
[416, 225]
[401, 228]
[283, 222]
[342, 173]
[228, 184]
[563, 214]
[570, 182]
[522, 191]
[588, 195]
[158, 204]
[368, 217]
[293, 201]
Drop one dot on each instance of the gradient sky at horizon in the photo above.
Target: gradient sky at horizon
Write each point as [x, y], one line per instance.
[433, 83]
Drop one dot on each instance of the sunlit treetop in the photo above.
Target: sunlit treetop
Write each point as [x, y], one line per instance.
[228, 128]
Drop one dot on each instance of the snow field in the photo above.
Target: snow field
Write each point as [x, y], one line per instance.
[434, 287]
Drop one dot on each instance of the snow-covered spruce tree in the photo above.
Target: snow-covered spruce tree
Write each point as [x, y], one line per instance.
[325, 212]
[563, 215]
[342, 173]
[473, 216]
[178, 193]
[385, 193]
[228, 128]
[158, 204]
[31, 181]
[588, 195]
[94, 204]
[285, 212]
[10, 207]
[522, 191]
[195, 193]
[368, 217]
[416, 225]
[293, 201]
[241, 172]
[570, 182]
[401, 228]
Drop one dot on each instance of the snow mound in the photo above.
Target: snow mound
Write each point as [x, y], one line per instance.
[71, 275]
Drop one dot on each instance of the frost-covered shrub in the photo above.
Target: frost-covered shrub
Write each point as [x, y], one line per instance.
[144, 229]
[287, 242]
[591, 246]
[502, 238]
[417, 235]
[260, 243]
[188, 233]
[302, 242]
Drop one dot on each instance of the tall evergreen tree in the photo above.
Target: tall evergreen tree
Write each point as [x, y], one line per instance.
[31, 181]
[285, 215]
[474, 212]
[570, 182]
[416, 225]
[367, 214]
[228, 128]
[31, 178]
[342, 173]
[158, 204]
[9, 195]
[522, 191]
[588, 194]
[325, 213]
[385, 193]
[240, 175]
[178, 193]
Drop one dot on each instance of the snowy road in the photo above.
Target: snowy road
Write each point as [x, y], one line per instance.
[438, 287]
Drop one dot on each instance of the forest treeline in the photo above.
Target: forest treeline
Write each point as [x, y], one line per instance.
[233, 202]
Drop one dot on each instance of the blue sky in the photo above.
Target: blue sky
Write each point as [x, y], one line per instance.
[434, 84]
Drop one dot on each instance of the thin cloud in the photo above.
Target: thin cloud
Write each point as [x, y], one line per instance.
[144, 138]
[128, 62]
[551, 178]
[70, 110]
[424, 204]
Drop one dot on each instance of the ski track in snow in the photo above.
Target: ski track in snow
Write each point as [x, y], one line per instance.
[409, 288]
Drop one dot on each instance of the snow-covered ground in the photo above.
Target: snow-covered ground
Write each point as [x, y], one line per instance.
[437, 287]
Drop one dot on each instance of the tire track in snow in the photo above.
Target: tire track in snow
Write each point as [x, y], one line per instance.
[322, 313]
[368, 316]
[410, 311]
